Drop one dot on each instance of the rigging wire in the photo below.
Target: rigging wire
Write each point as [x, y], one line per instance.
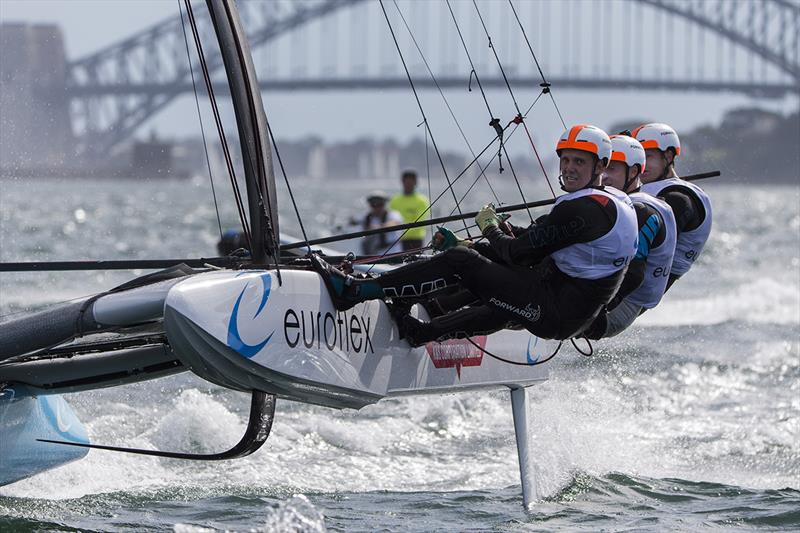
[545, 84]
[377, 259]
[289, 187]
[494, 122]
[469, 189]
[446, 102]
[441, 194]
[513, 99]
[218, 120]
[458, 177]
[468, 166]
[200, 117]
[427, 160]
[272, 248]
[498, 129]
[419, 104]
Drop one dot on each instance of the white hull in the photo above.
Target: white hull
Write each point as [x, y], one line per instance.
[245, 330]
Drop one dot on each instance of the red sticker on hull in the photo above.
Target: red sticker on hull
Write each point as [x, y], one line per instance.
[455, 353]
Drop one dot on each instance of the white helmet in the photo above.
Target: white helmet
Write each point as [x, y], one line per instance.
[628, 150]
[587, 138]
[657, 135]
[377, 195]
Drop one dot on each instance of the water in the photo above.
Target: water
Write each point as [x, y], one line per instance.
[687, 421]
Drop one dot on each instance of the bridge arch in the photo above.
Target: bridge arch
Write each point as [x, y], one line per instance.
[118, 88]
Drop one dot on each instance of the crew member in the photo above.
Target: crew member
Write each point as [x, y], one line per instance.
[646, 280]
[380, 217]
[412, 206]
[690, 204]
[554, 276]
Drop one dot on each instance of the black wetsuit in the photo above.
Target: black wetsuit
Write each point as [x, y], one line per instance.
[513, 278]
[689, 213]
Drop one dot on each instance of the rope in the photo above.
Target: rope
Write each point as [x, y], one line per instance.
[200, 118]
[289, 187]
[513, 99]
[494, 122]
[218, 121]
[516, 125]
[427, 160]
[517, 363]
[545, 84]
[446, 102]
[259, 150]
[441, 194]
[588, 343]
[419, 104]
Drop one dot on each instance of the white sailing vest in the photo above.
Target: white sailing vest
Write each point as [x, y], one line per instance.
[690, 243]
[659, 260]
[608, 254]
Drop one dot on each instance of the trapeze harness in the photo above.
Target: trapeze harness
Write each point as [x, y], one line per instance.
[604, 256]
[689, 242]
[659, 259]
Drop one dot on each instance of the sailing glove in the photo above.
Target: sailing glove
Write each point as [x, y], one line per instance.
[487, 219]
[444, 239]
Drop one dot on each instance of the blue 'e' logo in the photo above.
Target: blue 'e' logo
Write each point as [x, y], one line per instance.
[234, 339]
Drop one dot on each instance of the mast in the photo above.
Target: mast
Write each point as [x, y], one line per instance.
[251, 121]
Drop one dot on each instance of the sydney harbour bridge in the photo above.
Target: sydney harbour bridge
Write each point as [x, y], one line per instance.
[737, 46]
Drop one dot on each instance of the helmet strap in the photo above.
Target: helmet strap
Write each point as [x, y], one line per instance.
[668, 168]
[628, 179]
[595, 181]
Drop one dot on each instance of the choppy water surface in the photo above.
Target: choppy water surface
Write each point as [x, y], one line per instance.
[688, 420]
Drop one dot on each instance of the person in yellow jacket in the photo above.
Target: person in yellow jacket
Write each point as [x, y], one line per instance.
[412, 205]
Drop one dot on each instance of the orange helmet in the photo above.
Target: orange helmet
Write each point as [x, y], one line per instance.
[587, 138]
[628, 150]
[657, 135]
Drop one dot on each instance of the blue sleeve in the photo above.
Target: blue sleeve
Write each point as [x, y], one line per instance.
[647, 234]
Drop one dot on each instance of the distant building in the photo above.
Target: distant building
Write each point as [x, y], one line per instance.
[35, 127]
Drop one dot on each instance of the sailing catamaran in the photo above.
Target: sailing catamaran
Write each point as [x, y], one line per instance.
[266, 326]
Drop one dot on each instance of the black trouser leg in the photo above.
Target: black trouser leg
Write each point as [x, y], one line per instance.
[466, 322]
[445, 303]
[455, 266]
[517, 295]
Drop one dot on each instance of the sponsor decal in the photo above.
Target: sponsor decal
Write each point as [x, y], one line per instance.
[529, 312]
[455, 353]
[342, 331]
[412, 290]
[234, 338]
[661, 272]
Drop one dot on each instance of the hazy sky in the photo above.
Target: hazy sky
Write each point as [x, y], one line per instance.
[90, 25]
